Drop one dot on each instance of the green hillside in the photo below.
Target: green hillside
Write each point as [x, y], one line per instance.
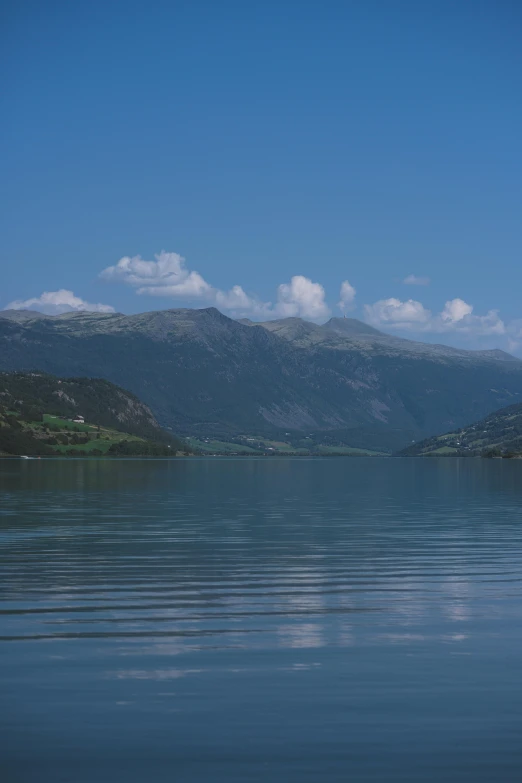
[37, 413]
[499, 434]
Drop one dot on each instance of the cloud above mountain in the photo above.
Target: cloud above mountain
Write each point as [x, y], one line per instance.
[346, 297]
[168, 276]
[456, 316]
[58, 302]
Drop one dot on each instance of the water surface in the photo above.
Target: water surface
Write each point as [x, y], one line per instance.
[260, 620]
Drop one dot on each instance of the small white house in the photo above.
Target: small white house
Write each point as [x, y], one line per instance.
[79, 420]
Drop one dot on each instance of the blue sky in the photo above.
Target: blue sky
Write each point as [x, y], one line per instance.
[279, 148]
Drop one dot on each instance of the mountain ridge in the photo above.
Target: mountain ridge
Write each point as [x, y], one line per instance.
[203, 373]
[350, 328]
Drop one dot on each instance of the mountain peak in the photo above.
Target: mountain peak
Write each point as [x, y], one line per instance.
[21, 315]
[211, 311]
[350, 326]
[291, 327]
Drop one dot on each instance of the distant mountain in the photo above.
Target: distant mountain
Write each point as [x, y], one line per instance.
[206, 375]
[35, 406]
[351, 327]
[499, 434]
[340, 332]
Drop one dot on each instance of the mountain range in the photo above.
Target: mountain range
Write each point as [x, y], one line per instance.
[206, 375]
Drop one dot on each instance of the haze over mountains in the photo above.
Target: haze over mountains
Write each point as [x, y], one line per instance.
[203, 373]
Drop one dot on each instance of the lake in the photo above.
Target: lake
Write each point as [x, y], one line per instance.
[293, 620]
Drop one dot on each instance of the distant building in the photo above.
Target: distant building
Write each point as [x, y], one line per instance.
[79, 420]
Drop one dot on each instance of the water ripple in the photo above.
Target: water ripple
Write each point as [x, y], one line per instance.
[390, 586]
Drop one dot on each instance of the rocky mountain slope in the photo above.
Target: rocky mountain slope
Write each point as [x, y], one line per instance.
[204, 374]
[499, 434]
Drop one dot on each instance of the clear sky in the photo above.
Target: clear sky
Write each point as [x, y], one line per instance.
[280, 148]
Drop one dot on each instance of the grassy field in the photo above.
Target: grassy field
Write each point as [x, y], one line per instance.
[282, 448]
[59, 425]
[348, 451]
[264, 446]
[219, 446]
[98, 438]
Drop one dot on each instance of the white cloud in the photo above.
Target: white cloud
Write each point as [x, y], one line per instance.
[455, 310]
[347, 296]
[236, 299]
[393, 312]
[415, 280]
[57, 302]
[302, 298]
[456, 316]
[168, 276]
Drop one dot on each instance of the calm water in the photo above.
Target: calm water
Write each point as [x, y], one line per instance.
[260, 620]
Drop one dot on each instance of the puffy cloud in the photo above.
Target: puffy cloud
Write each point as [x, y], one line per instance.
[302, 298]
[168, 276]
[235, 299]
[455, 310]
[456, 316]
[393, 312]
[491, 323]
[347, 296]
[415, 280]
[57, 302]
